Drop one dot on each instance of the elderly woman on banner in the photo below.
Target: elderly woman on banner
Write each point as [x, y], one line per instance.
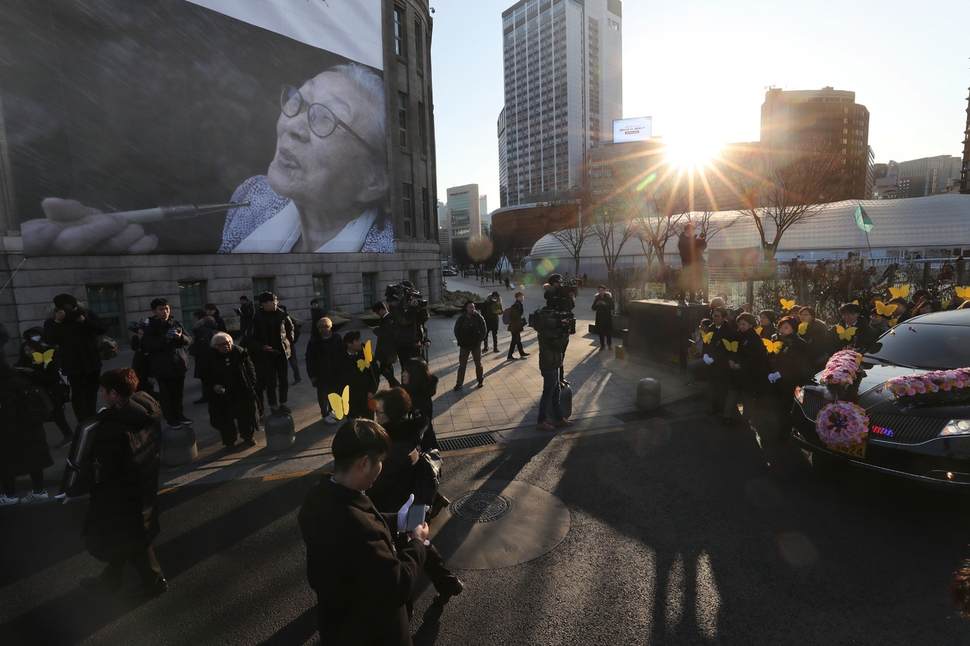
[326, 188]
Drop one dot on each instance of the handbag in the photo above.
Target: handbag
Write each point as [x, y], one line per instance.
[427, 477]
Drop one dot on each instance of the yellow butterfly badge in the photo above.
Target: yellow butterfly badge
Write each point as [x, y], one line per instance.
[732, 346]
[899, 292]
[845, 334]
[44, 358]
[893, 323]
[773, 346]
[758, 330]
[340, 403]
[962, 292]
[707, 336]
[803, 327]
[786, 304]
[882, 309]
[364, 363]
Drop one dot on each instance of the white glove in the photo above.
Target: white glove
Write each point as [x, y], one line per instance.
[708, 360]
[402, 515]
[773, 377]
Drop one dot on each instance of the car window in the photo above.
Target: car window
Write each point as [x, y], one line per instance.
[926, 346]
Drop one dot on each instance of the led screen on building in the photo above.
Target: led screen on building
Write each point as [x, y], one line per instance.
[637, 129]
[113, 107]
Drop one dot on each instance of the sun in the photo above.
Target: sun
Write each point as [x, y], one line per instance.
[691, 152]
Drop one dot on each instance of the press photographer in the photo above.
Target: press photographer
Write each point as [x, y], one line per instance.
[553, 325]
[409, 313]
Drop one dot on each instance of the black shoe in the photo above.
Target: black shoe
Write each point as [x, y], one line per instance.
[511, 358]
[230, 448]
[457, 388]
[481, 383]
[249, 442]
[148, 590]
[440, 502]
[495, 350]
[524, 354]
[101, 583]
[452, 589]
[297, 381]
[203, 400]
[66, 441]
[602, 348]
[284, 409]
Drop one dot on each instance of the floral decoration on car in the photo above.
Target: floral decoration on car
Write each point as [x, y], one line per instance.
[936, 386]
[841, 369]
[842, 423]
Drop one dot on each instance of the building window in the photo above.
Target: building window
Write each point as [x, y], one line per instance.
[408, 206]
[400, 36]
[402, 118]
[368, 287]
[414, 276]
[107, 303]
[262, 284]
[191, 297]
[426, 213]
[432, 288]
[418, 46]
[321, 291]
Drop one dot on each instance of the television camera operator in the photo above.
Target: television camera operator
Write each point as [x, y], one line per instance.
[560, 297]
[553, 325]
[409, 313]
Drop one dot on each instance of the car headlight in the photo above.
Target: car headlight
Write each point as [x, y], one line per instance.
[956, 427]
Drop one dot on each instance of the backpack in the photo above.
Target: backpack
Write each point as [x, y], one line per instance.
[37, 405]
[427, 477]
[507, 316]
[107, 347]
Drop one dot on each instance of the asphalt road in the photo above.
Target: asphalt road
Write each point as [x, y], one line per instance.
[681, 532]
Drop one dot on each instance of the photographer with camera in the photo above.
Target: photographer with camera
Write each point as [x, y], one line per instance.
[409, 313]
[74, 330]
[553, 328]
[165, 341]
[559, 298]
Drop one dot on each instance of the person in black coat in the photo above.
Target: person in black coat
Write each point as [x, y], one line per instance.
[470, 330]
[246, 312]
[396, 482]
[715, 357]
[815, 335]
[604, 305]
[38, 363]
[788, 368]
[361, 568]
[121, 474]
[164, 342]
[361, 379]
[139, 360]
[766, 321]
[323, 355]
[748, 370]
[212, 311]
[421, 386]
[203, 328]
[270, 345]
[492, 312]
[385, 354]
[517, 322]
[74, 330]
[23, 443]
[857, 333]
[229, 379]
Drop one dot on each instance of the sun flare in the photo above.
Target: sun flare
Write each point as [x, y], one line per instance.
[691, 152]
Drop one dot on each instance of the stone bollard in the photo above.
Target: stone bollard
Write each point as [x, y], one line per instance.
[280, 433]
[178, 445]
[648, 394]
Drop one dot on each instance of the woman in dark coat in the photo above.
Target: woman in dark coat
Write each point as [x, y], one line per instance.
[421, 386]
[604, 305]
[815, 334]
[748, 369]
[229, 378]
[788, 369]
[121, 474]
[395, 483]
[23, 444]
[39, 363]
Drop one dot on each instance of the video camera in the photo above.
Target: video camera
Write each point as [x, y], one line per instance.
[561, 296]
[403, 295]
[552, 323]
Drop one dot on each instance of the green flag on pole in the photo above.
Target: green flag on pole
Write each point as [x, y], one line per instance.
[862, 219]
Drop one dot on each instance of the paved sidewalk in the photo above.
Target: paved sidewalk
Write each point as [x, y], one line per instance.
[507, 405]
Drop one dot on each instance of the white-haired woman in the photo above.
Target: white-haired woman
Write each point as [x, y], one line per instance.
[229, 377]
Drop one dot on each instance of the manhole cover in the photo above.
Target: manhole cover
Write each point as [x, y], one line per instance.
[480, 506]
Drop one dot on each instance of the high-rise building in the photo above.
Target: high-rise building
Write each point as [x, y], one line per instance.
[928, 175]
[563, 89]
[463, 214]
[825, 119]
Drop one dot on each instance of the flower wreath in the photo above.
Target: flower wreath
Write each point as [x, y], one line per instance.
[842, 423]
[841, 369]
[937, 386]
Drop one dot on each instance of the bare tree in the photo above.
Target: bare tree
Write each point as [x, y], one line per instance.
[656, 208]
[709, 226]
[562, 219]
[612, 226]
[781, 188]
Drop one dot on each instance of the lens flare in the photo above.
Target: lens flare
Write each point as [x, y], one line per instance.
[547, 266]
[649, 179]
[479, 248]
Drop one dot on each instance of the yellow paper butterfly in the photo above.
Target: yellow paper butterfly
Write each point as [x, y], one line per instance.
[364, 363]
[803, 327]
[855, 302]
[882, 309]
[945, 304]
[772, 346]
[962, 292]
[707, 336]
[899, 292]
[845, 334]
[893, 323]
[786, 304]
[758, 330]
[340, 403]
[44, 358]
[732, 346]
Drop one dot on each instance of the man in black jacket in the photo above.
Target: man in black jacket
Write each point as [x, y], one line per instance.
[75, 330]
[165, 343]
[271, 343]
[385, 353]
[362, 570]
[322, 360]
[516, 325]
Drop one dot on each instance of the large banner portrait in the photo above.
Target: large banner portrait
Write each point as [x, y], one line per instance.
[177, 126]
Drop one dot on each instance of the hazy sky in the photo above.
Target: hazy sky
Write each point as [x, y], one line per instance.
[700, 69]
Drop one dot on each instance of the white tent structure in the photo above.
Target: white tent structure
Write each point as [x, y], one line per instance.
[937, 226]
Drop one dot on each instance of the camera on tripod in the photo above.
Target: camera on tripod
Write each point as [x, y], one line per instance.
[402, 295]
